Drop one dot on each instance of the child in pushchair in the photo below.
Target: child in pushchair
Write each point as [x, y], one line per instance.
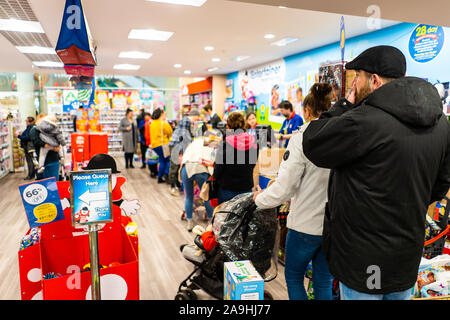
[239, 231]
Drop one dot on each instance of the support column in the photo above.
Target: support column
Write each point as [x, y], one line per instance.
[25, 86]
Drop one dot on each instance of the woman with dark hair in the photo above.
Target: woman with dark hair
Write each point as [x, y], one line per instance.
[300, 181]
[129, 137]
[235, 160]
[160, 134]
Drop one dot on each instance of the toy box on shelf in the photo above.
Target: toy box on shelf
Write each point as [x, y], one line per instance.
[55, 267]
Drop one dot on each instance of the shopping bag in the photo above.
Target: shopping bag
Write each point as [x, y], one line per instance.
[166, 150]
[204, 192]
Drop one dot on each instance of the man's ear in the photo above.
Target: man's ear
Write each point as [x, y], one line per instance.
[376, 81]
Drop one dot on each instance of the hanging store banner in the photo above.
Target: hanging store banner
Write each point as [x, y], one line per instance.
[75, 46]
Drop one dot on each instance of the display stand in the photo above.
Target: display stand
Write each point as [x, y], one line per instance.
[64, 250]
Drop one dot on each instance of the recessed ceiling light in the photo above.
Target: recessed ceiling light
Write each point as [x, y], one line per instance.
[20, 26]
[177, 65]
[36, 50]
[283, 42]
[213, 69]
[209, 48]
[215, 59]
[135, 55]
[240, 58]
[187, 71]
[282, 7]
[150, 34]
[195, 3]
[269, 36]
[126, 67]
[48, 64]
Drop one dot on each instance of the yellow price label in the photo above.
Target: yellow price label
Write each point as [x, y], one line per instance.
[45, 213]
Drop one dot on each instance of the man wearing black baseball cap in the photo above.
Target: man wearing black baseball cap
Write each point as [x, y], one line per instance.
[388, 145]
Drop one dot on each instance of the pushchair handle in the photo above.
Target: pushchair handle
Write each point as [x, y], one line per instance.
[198, 242]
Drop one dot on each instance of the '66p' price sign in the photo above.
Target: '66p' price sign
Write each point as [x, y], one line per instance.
[41, 202]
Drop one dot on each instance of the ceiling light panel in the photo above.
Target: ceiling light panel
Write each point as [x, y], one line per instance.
[20, 26]
[135, 55]
[126, 67]
[269, 36]
[48, 64]
[213, 69]
[240, 58]
[284, 42]
[150, 34]
[208, 48]
[36, 50]
[194, 3]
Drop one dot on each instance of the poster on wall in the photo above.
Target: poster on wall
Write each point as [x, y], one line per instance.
[102, 99]
[134, 100]
[146, 98]
[229, 89]
[295, 94]
[119, 99]
[266, 83]
[55, 101]
[426, 42]
[312, 77]
[69, 99]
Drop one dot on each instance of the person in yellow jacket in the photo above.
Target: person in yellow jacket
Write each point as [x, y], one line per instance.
[160, 134]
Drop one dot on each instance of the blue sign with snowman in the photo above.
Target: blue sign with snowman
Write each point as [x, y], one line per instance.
[91, 197]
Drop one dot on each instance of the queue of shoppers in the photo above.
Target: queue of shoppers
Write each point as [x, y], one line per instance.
[360, 174]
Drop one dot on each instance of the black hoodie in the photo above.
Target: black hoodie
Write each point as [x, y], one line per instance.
[390, 158]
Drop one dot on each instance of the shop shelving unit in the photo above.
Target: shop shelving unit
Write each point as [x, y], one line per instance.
[110, 120]
[65, 123]
[5, 148]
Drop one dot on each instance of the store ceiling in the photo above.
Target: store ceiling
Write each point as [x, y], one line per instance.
[232, 28]
[434, 12]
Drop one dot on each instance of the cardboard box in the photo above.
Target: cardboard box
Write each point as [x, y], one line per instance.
[269, 161]
[242, 281]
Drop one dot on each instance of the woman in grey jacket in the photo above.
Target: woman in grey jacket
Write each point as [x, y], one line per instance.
[129, 137]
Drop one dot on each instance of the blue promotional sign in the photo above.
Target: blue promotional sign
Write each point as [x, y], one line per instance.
[426, 42]
[41, 202]
[91, 199]
[342, 35]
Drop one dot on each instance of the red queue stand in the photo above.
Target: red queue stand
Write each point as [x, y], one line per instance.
[63, 249]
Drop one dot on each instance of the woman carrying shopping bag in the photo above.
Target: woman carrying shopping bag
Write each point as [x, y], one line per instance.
[193, 169]
[160, 134]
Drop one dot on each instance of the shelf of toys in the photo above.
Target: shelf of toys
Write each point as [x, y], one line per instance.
[54, 259]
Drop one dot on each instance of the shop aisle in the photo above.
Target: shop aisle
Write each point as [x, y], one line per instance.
[160, 229]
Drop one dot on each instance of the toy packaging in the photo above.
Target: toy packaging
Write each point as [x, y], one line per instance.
[434, 277]
[242, 281]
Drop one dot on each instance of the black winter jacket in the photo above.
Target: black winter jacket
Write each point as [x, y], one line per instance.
[235, 161]
[390, 158]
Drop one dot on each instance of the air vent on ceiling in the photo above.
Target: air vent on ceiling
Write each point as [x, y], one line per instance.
[21, 10]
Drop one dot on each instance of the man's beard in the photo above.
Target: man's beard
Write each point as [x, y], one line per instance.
[362, 93]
